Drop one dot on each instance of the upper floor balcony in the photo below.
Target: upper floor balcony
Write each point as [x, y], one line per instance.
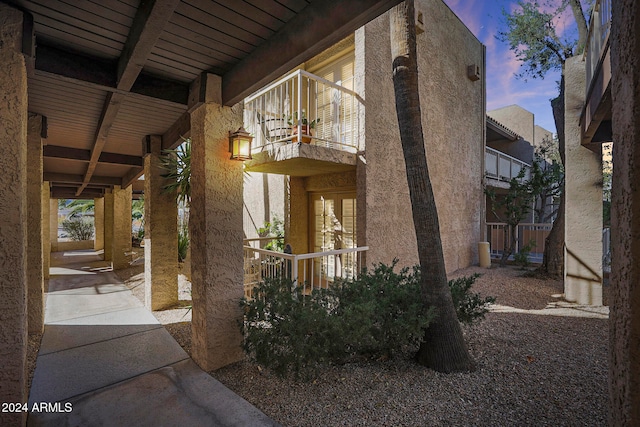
[595, 120]
[500, 168]
[304, 125]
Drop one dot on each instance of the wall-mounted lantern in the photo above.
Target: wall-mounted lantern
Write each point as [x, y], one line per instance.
[240, 145]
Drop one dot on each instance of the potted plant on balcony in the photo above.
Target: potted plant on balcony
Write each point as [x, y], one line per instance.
[306, 125]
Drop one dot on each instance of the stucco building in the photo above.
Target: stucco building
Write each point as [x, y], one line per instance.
[347, 188]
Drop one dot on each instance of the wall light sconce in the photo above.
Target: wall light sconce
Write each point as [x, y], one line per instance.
[240, 145]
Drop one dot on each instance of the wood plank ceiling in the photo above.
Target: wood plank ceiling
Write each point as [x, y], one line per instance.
[107, 73]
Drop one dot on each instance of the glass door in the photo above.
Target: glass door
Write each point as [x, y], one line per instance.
[333, 226]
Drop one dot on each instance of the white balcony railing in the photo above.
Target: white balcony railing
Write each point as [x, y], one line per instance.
[502, 166]
[310, 271]
[303, 107]
[599, 28]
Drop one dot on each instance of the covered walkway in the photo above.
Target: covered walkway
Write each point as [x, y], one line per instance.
[105, 360]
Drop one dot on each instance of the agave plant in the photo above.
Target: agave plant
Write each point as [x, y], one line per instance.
[177, 162]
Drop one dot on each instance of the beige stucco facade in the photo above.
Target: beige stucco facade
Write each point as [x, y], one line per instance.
[624, 320]
[583, 199]
[35, 277]
[13, 221]
[161, 233]
[98, 223]
[46, 231]
[453, 121]
[121, 229]
[53, 224]
[520, 121]
[215, 225]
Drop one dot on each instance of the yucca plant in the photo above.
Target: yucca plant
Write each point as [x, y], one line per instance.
[183, 243]
[177, 163]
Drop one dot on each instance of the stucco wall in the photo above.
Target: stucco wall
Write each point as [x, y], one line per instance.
[541, 135]
[583, 199]
[453, 122]
[624, 321]
[264, 198]
[13, 221]
[521, 122]
[215, 225]
[35, 297]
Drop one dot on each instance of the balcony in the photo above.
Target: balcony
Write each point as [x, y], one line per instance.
[595, 120]
[303, 125]
[500, 168]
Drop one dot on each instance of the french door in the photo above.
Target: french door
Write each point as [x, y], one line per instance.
[333, 226]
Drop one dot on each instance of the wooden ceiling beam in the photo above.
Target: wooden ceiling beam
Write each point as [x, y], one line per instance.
[317, 27]
[54, 177]
[84, 68]
[131, 176]
[175, 135]
[85, 155]
[66, 193]
[151, 18]
[66, 153]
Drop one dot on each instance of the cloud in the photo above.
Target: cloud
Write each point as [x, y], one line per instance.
[468, 12]
[503, 88]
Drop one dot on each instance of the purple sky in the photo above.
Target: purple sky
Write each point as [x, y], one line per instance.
[484, 19]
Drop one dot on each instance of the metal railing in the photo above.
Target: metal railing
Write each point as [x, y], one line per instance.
[502, 166]
[310, 271]
[499, 235]
[303, 107]
[597, 40]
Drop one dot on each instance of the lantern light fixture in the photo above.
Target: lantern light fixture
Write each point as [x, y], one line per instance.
[240, 145]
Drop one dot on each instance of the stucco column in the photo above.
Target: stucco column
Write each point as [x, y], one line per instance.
[161, 233]
[98, 223]
[215, 225]
[35, 280]
[46, 229]
[583, 199]
[624, 319]
[298, 216]
[121, 243]
[53, 224]
[108, 225]
[13, 221]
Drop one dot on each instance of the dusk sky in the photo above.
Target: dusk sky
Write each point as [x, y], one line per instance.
[485, 20]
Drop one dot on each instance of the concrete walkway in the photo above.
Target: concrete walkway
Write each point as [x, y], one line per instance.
[106, 361]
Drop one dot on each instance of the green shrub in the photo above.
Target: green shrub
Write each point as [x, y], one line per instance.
[78, 228]
[470, 307]
[373, 316]
[183, 243]
[273, 228]
[522, 257]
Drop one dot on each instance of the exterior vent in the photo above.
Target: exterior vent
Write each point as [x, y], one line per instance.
[473, 72]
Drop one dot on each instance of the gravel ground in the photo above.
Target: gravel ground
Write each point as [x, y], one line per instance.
[539, 361]
[33, 345]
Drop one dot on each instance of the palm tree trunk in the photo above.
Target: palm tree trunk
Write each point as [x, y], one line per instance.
[443, 348]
